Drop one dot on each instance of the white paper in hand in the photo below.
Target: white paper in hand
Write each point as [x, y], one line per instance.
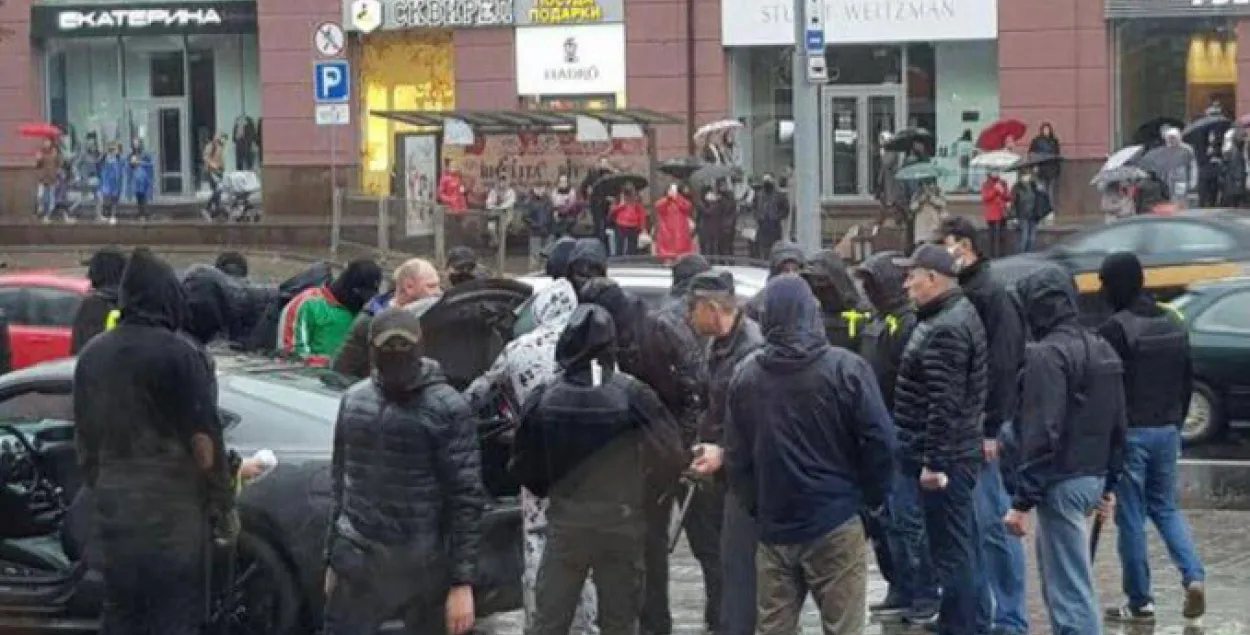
[596, 374]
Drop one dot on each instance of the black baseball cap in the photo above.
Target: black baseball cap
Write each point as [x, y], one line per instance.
[461, 257]
[935, 258]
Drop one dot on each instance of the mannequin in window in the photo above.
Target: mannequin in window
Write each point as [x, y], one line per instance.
[244, 137]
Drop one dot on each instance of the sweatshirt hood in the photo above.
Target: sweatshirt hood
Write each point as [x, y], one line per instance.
[589, 336]
[558, 256]
[151, 294]
[1049, 299]
[105, 268]
[794, 333]
[357, 284]
[883, 281]
[684, 270]
[782, 252]
[588, 251]
[554, 304]
[1122, 279]
[831, 282]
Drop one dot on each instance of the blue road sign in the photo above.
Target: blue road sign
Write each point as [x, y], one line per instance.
[332, 82]
[815, 40]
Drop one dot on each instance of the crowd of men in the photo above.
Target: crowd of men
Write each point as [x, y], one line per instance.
[938, 419]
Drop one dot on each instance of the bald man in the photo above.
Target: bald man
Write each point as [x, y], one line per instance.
[414, 280]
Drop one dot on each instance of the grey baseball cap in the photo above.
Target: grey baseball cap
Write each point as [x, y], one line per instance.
[935, 258]
[395, 323]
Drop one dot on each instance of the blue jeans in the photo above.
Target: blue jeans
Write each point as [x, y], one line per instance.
[950, 516]
[1002, 557]
[1063, 561]
[914, 578]
[739, 537]
[45, 199]
[1147, 489]
[1028, 236]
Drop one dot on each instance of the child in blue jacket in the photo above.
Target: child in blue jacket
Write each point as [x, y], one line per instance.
[112, 173]
[142, 175]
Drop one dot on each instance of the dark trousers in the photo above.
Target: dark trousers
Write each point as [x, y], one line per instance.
[655, 617]
[739, 539]
[357, 607]
[627, 241]
[994, 230]
[703, 525]
[765, 236]
[243, 156]
[154, 592]
[875, 528]
[954, 538]
[214, 200]
[613, 559]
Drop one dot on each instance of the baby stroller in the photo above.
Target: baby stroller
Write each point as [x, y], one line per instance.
[237, 189]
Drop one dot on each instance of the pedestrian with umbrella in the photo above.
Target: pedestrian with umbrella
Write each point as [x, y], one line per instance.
[717, 216]
[597, 200]
[1046, 143]
[48, 171]
[995, 199]
[629, 218]
[1175, 163]
[1029, 203]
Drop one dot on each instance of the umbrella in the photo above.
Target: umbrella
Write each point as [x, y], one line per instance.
[923, 171]
[996, 160]
[712, 172]
[680, 169]
[1150, 133]
[1163, 159]
[1201, 128]
[611, 184]
[1034, 160]
[40, 131]
[903, 140]
[1119, 174]
[994, 136]
[715, 127]
[1122, 157]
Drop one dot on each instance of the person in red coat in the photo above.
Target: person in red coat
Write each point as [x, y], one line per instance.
[995, 197]
[453, 196]
[629, 217]
[674, 219]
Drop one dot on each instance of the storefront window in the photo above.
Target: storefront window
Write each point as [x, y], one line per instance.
[401, 70]
[1177, 67]
[768, 112]
[952, 91]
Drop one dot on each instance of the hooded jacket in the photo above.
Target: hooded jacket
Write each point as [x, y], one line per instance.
[939, 397]
[783, 252]
[406, 472]
[1152, 344]
[587, 437]
[587, 259]
[142, 392]
[557, 267]
[890, 326]
[1072, 417]
[1004, 326]
[840, 304]
[316, 322]
[104, 270]
[223, 306]
[809, 440]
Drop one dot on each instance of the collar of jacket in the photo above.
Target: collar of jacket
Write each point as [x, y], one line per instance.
[973, 272]
[938, 304]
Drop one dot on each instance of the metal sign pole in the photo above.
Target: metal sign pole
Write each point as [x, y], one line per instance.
[809, 72]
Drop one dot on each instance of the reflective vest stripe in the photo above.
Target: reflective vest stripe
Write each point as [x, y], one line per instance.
[110, 321]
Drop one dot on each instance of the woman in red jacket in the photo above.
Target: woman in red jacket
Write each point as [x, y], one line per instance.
[673, 223]
[629, 218]
[995, 197]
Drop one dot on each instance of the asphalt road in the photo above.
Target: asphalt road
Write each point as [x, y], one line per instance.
[1224, 543]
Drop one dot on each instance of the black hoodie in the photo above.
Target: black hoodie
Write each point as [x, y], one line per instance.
[891, 324]
[783, 253]
[840, 304]
[104, 270]
[1072, 415]
[1004, 326]
[358, 283]
[587, 259]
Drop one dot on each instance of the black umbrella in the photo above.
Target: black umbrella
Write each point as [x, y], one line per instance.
[1034, 160]
[612, 184]
[904, 139]
[712, 172]
[680, 169]
[1150, 133]
[1200, 129]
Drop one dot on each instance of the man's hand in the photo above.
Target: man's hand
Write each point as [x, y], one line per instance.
[989, 448]
[1017, 522]
[460, 610]
[708, 459]
[331, 580]
[932, 481]
[1106, 507]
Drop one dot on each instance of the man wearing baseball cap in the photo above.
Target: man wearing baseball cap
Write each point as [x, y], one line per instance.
[938, 404]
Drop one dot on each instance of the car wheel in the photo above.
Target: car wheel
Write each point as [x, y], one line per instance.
[1205, 420]
[264, 596]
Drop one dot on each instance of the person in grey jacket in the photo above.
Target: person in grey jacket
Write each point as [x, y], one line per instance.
[407, 494]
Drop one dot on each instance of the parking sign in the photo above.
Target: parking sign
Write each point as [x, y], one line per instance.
[332, 82]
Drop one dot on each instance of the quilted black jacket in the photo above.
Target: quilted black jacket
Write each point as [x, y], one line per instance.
[941, 387]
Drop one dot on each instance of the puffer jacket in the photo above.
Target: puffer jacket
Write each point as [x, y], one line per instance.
[783, 253]
[406, 473]
[1004, 326]
[841, 309]
[1073, 416]
[940, 395]
[223, 306]
[892, 322]
[723, 357]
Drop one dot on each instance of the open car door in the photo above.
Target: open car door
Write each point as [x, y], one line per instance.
[467, 329]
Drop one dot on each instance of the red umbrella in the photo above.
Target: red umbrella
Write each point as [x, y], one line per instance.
[994, 136]
[40, 131]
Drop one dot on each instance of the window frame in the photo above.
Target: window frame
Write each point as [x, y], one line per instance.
[30, 299]
[23, 305]
[1166, 227]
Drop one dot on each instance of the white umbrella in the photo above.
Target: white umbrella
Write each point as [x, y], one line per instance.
[1121, 158]
[996, 160]
[715, 127]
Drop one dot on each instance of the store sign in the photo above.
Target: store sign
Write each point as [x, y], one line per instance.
[1176, 8]
[771, 22]
[439, 14]
[550, 12]
[571, 60]
[101, 20]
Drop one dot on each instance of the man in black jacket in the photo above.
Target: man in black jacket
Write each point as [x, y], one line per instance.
[407, 494]
[840, 304]
[938, 404]
[1158, 383]
[104, 271]
[150, 447]
[899, 535]
[1071, 437]
[589, 442]
[714, 313]
[1003, 607]
[785, 257]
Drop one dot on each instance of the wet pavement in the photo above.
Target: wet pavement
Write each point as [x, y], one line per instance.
[1223, 539]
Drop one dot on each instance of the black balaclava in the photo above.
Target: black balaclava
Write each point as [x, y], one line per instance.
[358, 283]
[461, 265]
[558, 257]
[1122, 279]
[105, 268]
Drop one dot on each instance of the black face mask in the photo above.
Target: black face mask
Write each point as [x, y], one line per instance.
[458, 276]
[398, 366]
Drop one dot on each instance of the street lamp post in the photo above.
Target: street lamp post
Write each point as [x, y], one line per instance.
[809, 74]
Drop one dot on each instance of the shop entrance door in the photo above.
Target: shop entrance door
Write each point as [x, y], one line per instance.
[163, 126]
[852, 120]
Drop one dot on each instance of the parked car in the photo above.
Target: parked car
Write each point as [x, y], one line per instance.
[1217, 315]
[651, 279]
[291, 409]
[40, 307]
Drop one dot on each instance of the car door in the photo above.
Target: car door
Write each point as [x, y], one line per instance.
[1182, 251]
[1220, 347]
[13, 304]
[49, 320]
[1083, 255]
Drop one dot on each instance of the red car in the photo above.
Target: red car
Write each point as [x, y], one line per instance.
[40, 307]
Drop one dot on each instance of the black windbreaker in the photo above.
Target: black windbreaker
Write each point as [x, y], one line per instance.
[104, 270]
[891, 324]
[841, 308]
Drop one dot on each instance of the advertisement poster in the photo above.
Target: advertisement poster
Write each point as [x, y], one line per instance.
[420, 181]
[538, 159]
